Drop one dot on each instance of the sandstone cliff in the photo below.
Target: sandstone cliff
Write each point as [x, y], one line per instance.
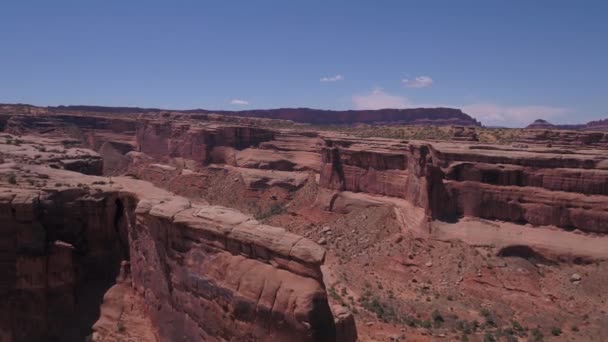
[202, 272]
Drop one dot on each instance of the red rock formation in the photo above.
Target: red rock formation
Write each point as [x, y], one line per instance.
[415, 116]
[201, 143]
[202, 272]
[521, 185]
[461, 133]
[208, 272]
[564, 138]
[597, 125]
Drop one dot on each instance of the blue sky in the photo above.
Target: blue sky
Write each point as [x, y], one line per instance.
[504, 62]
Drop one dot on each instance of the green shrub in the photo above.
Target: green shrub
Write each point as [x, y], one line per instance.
[436, 316]
[537, 336]
[274, 210]
[488, 337]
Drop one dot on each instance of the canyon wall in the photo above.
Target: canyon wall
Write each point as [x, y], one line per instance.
[200, 272]
[205, 272]
[532, 183]
[538, 186]
[204, 144]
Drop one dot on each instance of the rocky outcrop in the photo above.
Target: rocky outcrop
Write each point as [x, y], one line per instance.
[585, 181]
[204, 272]
[197, 271]
[597, 125]
[564, 138]
[384, 167]
[524, 185]
[57, 154]
[226, 276]
[464, 133]
[54, 263]
[201, 143]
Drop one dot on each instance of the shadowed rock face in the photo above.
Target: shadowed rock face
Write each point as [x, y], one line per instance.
[201, 272]
[520, 184]
[162, 138]
[418, 116]
[205, 273]
[541, 187]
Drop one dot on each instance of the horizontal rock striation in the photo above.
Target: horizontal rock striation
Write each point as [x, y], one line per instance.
[205, 272]
[201, 143]
[564, 137]
[54, 264]
[525, 185]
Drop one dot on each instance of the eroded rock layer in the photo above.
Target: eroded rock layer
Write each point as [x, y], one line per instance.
[202, 272]
[205, 272]
[524, 185]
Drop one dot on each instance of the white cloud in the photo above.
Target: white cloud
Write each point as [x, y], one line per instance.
[336, 78]
[239, 102]
[490, 114]
[378, 99]
[418, 82]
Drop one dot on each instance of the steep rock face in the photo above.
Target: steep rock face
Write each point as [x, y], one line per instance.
[531, 205]
[384, 167]
[524, 185]
[200, 272]
[204, 272]
[55, 264]
[346, 165]
[227, 277]
[585, 181]
[203, 144]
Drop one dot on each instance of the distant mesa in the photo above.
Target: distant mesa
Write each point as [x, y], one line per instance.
[598, 125]
[540, 124]
[413, 116]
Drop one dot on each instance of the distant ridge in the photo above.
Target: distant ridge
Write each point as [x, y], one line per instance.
[598, 125]
[414, 116]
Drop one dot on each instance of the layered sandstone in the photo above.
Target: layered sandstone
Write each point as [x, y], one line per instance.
[201, 143]
[202, 272]
[564, 138]
[525, 185]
